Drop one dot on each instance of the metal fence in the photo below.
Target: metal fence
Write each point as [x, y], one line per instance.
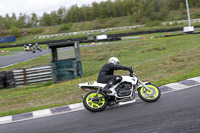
[32, 75]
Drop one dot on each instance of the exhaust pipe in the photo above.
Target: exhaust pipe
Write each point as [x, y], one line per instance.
[123, 103]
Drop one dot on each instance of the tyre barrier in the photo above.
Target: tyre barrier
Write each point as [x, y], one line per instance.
[2, 80]
[11, 79]
[7, 79]
[80, 40]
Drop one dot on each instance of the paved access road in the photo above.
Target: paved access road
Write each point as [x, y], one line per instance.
[20, 57]
[175, 112]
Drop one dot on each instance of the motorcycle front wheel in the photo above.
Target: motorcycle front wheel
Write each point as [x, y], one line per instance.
[149, 96]
[94, 102]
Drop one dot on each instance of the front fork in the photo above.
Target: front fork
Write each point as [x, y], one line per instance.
[146, 88]
[99, 88]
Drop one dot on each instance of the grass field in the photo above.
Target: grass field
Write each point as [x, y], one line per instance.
[54, 30]
[160, 60]
[44, 46]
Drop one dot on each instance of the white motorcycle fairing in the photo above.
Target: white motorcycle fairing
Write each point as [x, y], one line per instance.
[89, 86]
[126, 79]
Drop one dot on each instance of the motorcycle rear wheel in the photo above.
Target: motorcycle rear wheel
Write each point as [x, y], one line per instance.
[149, 96]
[93, 103]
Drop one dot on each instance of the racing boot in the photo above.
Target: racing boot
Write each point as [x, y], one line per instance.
[106, 88]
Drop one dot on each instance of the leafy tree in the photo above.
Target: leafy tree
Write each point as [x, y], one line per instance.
[15, 31]
[28, 21]
[150, 11]
[21, 23]
[61, 13]
[2, 25]
[54, 18]
[34, 19]
[118, 8]
[182, 6]
[14, 20]
[95, 10]
[174, 4]
[8, 21]
[46, 20]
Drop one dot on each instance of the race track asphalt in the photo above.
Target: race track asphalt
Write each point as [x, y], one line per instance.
[20, 57]
[175, 112]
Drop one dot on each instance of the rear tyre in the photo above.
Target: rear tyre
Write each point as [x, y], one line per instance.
[95, 103]
[149, 96]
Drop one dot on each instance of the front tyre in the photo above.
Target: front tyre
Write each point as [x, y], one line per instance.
[95, 103]
[149, 96]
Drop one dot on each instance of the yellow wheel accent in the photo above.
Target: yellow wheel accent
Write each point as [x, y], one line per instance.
[93, 102]
[153, 93]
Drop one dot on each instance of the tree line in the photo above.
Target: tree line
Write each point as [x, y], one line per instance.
[144, 10]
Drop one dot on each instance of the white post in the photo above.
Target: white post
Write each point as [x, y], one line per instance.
[189, 28]
[134, 20]
[188, 13]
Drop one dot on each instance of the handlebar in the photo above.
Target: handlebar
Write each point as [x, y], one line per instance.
[133, 74]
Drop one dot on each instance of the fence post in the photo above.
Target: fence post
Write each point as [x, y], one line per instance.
[25, 76]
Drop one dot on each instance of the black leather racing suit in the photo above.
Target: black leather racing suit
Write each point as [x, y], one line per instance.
[106, 73]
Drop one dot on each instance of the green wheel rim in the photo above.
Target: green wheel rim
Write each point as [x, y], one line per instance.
[98, 104]
[152, 94]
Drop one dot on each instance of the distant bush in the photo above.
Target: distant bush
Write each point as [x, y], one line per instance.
[167, 24]
[15, 31]
[153, 23]
[99, 23]
[175, 23]
[4, 32]
[65, 27]
[36, 30]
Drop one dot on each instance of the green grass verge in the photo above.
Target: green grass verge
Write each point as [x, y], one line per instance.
[160, 60]
[7, 54]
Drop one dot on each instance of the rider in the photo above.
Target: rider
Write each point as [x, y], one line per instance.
[37, 45]
[107, 71]
[30, 45]
[25, 47]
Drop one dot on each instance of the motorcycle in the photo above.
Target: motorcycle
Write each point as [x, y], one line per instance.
[26, 48]
[122, 92]
[33, 49]
[29, 48]
[38, 48]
